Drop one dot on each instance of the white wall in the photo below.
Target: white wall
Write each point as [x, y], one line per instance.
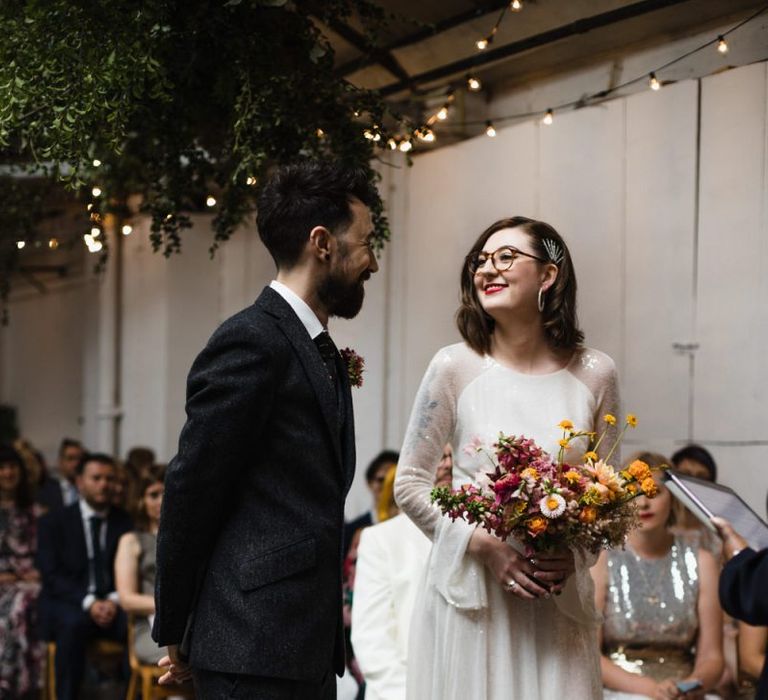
[669, 241]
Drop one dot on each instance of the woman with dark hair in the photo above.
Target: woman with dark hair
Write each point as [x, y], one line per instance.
[21, 652]
[662, 623]
[135, 565]
[492, 623]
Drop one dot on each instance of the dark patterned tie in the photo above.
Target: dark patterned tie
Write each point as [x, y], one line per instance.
[328, 352]
[99, 564]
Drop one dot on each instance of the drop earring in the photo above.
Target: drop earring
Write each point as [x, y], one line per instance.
[540, 300]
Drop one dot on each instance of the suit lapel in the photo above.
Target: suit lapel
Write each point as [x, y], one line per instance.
[313, 364]
[348, 439]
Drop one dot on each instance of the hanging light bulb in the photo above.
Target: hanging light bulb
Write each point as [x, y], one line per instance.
[96, 162]
[20, 244]
[489, 129]
[210, 201]
[516, 5]
[95, 247]
[482, 44]
[96, 192]
[442, 114]
[250, 180]
[89, 240]
[548, 118]
[392, 144]
[654, 82]
[127, 230]
[474, 84]
[722, 45]
[426, 135]
[95, 232]
[406, 146]
[53, 243]
[320, 133]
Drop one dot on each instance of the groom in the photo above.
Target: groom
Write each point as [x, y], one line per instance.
[249, 592]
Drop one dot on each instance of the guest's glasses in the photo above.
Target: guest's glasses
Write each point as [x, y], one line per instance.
[502, 259]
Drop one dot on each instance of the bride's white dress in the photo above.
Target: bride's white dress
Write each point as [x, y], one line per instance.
[471, 639]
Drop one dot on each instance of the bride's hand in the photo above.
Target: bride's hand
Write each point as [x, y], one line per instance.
[512, 570]
[554, 568]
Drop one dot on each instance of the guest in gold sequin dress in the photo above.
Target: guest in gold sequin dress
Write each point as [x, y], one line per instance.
[662, 620]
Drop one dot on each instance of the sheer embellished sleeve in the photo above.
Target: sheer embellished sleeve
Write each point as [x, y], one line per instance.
[606, 391]
[458, 577]
[431, 425]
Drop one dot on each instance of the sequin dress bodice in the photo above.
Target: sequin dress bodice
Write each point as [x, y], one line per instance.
[651, 609]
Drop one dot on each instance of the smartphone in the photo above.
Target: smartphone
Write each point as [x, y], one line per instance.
[688, 686]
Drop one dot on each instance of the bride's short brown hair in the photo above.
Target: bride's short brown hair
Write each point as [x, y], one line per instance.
[561, 325]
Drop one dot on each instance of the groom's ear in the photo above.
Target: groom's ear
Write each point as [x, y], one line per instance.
[320, 242]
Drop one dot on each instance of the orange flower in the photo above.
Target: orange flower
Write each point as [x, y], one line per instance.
[610, 419]
[639, 470]
[565, 425]
[563, 443]
[649, 487]
[591, 455]
[631, 420]
[588, 514]
[571, 476]
[631, 489]
[529, 472]
[536, 525]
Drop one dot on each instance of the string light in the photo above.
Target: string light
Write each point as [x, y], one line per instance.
[320, 134]
[406, 146]
[549, 117]
[426, 135]
[489, 129]
[250, 180]
[95, 247]
[96, 162]
[95, 232]
[20, 244]
[96, 192]
[371, 135]
[442, 114]
[654, 82]
[516, 5]
[722, 45]
[482, 44]
[210, 201]
[89, 207]
[53, 243]
[473, 83]
[392, 144]
[127, 230]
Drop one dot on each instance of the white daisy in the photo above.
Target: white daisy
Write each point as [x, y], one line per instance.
[552, 505]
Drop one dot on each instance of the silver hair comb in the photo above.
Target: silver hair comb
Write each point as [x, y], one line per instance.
[554, 251]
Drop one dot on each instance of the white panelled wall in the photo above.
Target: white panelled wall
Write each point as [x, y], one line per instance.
[662, 197]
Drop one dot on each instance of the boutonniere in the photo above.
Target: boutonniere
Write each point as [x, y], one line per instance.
[355, 366]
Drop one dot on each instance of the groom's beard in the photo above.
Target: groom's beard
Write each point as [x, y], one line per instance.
[341, 297]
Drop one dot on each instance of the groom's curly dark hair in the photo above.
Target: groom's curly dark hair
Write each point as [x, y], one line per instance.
[308, 193]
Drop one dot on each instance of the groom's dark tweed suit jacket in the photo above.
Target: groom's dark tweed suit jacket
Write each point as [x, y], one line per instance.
[250, 538]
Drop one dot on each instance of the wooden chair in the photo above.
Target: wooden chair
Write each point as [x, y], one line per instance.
[97, 649]
[148, 675]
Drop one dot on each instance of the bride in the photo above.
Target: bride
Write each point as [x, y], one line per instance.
[490, 623]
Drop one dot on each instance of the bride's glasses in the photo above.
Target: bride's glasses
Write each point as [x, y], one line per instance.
[501, 259]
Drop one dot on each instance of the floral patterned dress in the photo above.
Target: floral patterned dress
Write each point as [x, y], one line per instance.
[21, 652]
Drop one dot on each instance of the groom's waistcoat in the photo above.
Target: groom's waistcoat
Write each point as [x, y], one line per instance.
[253, 513]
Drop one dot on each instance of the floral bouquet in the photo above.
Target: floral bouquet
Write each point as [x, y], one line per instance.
[547, 504]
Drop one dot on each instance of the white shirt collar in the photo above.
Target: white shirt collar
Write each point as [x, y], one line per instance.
[308, 318]
[87, 512]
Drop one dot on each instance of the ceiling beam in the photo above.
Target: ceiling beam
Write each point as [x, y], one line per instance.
[580, 26]
[426, 32]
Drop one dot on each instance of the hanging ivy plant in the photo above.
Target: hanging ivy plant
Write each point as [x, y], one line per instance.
[173, 100]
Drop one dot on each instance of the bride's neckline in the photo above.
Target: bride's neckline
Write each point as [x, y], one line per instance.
[536, 375]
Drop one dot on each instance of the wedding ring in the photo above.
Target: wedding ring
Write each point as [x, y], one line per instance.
[512, 584]
[533, 561]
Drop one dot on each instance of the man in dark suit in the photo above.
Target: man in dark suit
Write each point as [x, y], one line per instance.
[75, 555]
[249, 548]
[743, 585]
[57, 491]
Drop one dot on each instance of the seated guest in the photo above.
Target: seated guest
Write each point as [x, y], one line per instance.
[122, 489]
[76, 554]
[390, 560]
[21, 652]
[135, 567]
[375, 475]
[61, 490]
[139, 462]
[743, 582]
[662, 623]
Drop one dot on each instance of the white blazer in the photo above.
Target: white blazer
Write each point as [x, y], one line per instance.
[390, 565]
